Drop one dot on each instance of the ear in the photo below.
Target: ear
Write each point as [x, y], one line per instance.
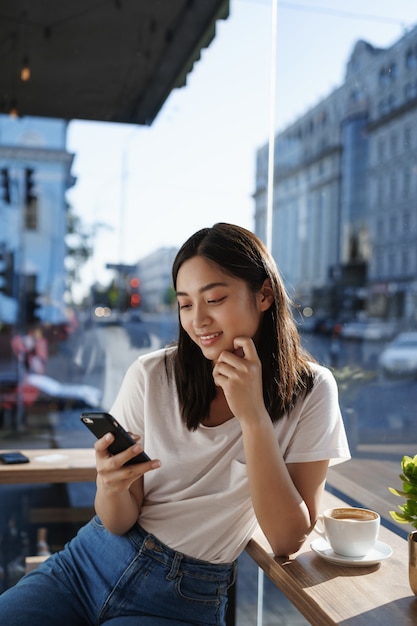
[265, 295]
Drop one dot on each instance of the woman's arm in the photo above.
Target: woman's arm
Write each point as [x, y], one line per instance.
[285, 499]
[119, 493]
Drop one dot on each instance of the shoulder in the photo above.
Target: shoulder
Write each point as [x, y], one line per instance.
[148, 375]
[153, 363]
[322, 374]
[324, 395]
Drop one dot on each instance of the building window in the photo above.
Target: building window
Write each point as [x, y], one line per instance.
[406, 183]
[393, 187]
[404, 261]
[407, 137]
[410, 91]
[381, 149]
[406, 222]
[31, 215]
[392, 264]
[393, 144]
[410, 59]
[356, 95]
[393, 71]
[392, 102]
[383, 107]
[380, 190]
[383, 77]
[392, 225]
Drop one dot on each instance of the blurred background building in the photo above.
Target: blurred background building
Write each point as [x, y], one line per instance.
[154, 271]
[344, 212]
[35, 174]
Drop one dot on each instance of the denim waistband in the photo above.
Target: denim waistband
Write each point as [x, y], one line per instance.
[147, 543]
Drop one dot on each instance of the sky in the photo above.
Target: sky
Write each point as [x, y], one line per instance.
[141, 188]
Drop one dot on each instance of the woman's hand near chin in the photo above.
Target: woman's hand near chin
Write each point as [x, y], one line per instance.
[239, 374]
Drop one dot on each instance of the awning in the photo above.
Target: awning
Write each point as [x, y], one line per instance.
[103, 60]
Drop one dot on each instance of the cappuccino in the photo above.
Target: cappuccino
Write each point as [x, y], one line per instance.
[353, 514]
[350, 531]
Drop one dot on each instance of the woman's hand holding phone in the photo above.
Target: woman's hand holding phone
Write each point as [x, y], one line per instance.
[116, 470]
[117, 450]
[119, 494]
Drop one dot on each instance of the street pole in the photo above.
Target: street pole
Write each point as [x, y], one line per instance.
[21, 301]
[124, 177]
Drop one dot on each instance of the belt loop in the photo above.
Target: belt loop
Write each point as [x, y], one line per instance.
[173, 572]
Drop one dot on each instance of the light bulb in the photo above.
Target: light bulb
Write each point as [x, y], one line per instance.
[25, 71]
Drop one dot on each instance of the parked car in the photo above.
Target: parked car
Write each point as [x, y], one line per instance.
[353, 330]
[399, 358]
[371, 330]
[43, 394]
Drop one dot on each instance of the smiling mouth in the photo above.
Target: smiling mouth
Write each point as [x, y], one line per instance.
[209, 337]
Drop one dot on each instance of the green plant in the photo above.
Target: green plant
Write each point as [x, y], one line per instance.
[408, 511]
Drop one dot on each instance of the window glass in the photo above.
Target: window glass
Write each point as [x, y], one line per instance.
[94, 212]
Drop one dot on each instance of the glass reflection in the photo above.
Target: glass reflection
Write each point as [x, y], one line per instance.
[92, 215]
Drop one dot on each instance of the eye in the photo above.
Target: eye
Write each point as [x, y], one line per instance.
[183, 306]
[216, 300]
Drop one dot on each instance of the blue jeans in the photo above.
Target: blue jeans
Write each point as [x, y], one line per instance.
[129, 580]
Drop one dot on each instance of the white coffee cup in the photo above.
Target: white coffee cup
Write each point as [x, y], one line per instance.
[350, 531]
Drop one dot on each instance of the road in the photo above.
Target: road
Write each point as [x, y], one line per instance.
[376, 412]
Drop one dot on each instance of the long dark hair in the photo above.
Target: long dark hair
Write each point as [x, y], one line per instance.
[285, 369]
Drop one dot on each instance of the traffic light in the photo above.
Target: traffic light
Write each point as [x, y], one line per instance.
[29, 186]
[134, 284]
[7, 272]
[32, 307]
[134, 300]
[5, 183]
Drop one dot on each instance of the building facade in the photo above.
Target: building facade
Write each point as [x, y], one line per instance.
[154, 272]
[344, 197]
[35, 174]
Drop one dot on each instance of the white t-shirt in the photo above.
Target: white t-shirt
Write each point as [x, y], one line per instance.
[198, 501]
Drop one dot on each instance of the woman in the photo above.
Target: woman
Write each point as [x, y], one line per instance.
[244, 423]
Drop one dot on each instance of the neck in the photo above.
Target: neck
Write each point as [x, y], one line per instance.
[219, 410]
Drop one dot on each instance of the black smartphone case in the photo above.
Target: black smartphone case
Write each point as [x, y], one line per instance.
[101, 423]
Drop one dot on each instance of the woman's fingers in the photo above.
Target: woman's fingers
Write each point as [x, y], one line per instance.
[119, 460]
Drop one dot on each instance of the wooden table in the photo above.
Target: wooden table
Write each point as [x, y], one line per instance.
[63, 465]
[328, 594]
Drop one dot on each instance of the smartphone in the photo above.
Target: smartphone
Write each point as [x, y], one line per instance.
[101, 423]
[13, 458]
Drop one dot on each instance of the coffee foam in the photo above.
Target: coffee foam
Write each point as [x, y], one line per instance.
[353, 514]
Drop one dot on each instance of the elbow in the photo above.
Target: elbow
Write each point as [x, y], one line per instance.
[287, 548]
[290, 542]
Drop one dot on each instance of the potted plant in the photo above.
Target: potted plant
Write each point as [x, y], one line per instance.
[408, 512]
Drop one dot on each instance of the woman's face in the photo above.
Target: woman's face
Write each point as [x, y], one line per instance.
[216, 307]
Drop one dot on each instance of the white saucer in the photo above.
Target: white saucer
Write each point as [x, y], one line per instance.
[378, 553]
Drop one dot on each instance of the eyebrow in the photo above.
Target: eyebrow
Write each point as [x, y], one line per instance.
[204, 288]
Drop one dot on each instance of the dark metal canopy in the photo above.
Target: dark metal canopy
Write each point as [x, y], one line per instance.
[103, 60]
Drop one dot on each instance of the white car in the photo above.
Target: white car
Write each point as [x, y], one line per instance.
[372, 330]
[399, 358]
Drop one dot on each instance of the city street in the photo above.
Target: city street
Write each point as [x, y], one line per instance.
[376, 412]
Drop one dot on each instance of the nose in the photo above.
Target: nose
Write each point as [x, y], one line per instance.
[201, 317]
